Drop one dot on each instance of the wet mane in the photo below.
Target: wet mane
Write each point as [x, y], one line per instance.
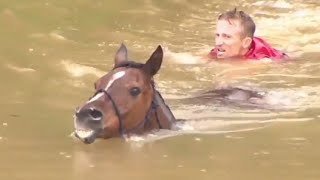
[129, 64]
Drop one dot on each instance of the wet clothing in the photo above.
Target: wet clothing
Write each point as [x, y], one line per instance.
[259, 49]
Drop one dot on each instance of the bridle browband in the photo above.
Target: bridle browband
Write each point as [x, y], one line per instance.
[153, 107]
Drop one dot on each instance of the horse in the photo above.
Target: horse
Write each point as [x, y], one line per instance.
[125, 101]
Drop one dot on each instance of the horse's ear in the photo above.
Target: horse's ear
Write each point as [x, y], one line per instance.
[153, 65]
[121, 55]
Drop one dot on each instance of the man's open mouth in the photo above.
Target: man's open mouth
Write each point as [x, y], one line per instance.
[220, 52]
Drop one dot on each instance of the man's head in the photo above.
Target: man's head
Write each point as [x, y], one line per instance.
[234, 34]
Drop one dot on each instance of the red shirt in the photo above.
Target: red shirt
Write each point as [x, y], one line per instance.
[259, 49]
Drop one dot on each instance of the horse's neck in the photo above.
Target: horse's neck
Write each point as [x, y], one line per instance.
[163, 114]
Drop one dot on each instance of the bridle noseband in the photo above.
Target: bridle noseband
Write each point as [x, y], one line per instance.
[153, 107]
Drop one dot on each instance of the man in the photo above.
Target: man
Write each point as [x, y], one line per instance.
[235, 39]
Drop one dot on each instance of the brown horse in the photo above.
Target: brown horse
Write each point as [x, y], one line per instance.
[125, 101]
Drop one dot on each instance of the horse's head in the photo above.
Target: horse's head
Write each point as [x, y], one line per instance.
[123, 99]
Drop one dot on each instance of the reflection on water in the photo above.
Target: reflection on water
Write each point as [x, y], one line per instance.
[52, 52]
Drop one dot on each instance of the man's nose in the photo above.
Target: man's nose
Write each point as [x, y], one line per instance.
[219, 40]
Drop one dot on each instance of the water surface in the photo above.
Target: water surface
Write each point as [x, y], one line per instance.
[52, 52]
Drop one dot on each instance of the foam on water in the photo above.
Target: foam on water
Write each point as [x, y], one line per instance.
[296, 30]
[181, 57]
[77, 70]
[20, 69]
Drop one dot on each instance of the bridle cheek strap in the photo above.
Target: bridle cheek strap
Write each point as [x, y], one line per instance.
[115, 108]
[147, 118]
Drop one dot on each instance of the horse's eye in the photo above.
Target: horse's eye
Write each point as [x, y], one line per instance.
[135, 91]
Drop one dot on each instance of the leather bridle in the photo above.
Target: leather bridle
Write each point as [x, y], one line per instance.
[153, 107]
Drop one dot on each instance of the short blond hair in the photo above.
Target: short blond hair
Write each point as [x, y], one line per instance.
[245, 20]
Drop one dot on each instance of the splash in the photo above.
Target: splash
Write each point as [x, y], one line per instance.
[181, 57]
[206, 127]
[296, 30]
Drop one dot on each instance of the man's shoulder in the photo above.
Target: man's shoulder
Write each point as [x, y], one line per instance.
[262, 49]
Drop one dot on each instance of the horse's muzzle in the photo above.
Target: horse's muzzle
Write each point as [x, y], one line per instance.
[89, 113]
[88, 124]
[89, 138]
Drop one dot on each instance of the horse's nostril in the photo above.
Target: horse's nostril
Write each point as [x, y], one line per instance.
[96, 114]
[77, 109]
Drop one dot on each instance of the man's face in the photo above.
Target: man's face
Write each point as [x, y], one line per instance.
[228, 39]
